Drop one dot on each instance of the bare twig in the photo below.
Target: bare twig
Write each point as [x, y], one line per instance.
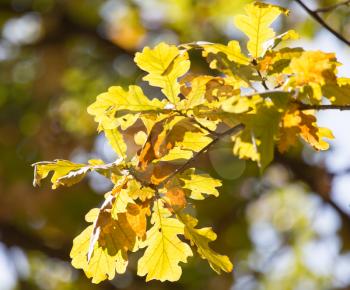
[315, 15]
[263, 81]
[332, 7]
[324, 107]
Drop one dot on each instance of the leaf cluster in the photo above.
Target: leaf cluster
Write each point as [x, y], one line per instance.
[260, 99]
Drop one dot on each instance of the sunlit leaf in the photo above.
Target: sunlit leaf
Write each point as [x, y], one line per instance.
[200, 184]
[164, 64]
[117, 99]
[164, 249]
[201, 238]
[256, 25]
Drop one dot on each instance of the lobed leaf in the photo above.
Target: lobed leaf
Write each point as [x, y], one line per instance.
[164, 249]
[164, 64]
[201, 238]
[256, 25]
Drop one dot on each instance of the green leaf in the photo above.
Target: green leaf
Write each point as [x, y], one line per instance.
[338, 93]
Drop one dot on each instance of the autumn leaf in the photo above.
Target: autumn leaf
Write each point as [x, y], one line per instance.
[68, 173]
[116, 100]
[195, 141]
[176, 197]
[258, 102]
[102, 265]
[200, 184]
[164, 64]
[201, 238]
[256, 25]
[164, 249]
[303, 124]
[312, 67]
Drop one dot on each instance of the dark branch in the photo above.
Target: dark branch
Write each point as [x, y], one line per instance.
[324, 107]
[332, 7]
[314, 15]
[263, 81]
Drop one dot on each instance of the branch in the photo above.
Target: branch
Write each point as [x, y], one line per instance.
[231, 131]
[314, 15]
[304, 107]
[263, 81]
[332, 7]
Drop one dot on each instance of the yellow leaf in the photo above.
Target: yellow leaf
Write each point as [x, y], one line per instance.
[176, 153]
[117, 99]
[69, 173]
[120, 202]
[201, 238]
[201, 184]
[232, 50]
[60, 168]
[136, 191]
[274, 62]
[312, 67]
[164, 64]
[256, 25]
[102, 265]
[239, 104]
[196, 96]
[194, 141]
[164, 248]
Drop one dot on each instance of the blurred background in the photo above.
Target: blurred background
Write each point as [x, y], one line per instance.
[287, 229]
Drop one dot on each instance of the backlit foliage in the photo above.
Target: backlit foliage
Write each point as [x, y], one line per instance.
[262, 100]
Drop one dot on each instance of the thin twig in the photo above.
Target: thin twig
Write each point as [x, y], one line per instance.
[332, 7]
[324, 107]
[322, 22]
[263, 81]
[231, 131]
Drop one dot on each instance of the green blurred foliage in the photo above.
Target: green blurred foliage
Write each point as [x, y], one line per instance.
[55, 57]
